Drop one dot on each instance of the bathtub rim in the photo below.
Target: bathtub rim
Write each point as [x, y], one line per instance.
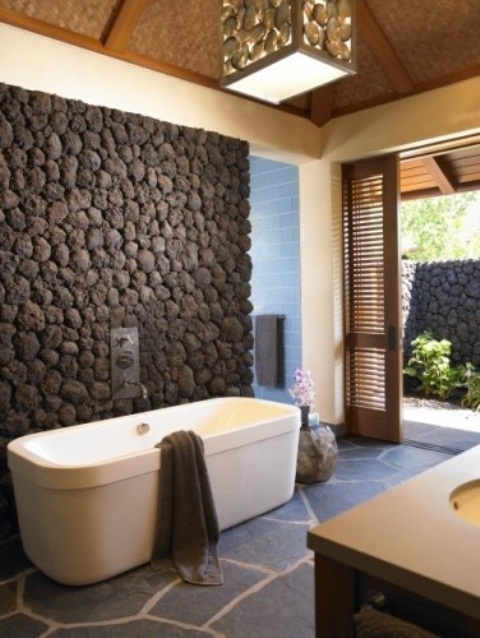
[51, 475]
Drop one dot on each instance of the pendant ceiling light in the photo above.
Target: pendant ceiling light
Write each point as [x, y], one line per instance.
[274, 50]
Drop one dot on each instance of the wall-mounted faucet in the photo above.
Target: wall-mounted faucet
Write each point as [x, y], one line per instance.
[125, 364]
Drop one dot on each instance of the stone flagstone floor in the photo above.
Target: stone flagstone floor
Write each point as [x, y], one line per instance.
[268, 588]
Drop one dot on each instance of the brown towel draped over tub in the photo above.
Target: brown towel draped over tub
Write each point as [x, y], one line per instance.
[269, 350]
[187, 526]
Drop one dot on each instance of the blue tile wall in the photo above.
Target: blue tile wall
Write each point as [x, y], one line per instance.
[275, 257]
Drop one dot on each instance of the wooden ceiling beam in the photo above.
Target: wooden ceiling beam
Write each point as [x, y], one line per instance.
[124, 22]
[382, 49]
[440, 174]
[321, 105]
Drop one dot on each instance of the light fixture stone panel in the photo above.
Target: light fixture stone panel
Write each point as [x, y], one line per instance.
[256, 31]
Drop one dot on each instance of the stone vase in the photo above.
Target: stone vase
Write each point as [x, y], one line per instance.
[317, 454]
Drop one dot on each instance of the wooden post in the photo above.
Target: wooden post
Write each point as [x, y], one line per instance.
[334, 599]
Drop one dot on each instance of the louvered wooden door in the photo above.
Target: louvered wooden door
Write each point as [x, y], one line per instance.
[372, 299]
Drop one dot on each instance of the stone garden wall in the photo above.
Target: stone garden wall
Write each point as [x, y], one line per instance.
[110, 219]
[444, 298]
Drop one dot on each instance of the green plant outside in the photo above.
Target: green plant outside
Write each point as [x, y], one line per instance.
[471, 380]
[430, 365]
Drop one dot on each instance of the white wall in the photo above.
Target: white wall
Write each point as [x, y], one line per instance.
[36, 62]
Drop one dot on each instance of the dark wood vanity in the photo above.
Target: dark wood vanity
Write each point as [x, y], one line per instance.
[410, 544]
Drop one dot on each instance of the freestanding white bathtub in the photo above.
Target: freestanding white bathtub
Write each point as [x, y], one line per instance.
[87, 495]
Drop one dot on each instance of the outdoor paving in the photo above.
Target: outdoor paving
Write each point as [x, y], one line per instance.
[268, 588]
[440, 413]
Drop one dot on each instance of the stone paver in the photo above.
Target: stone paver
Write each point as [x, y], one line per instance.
[118, 597]
[21, 626]
[197, 605]
[284, 607]
[272, 544]
[133, 629]
[8, 598]
[412, 458]
[336, 496]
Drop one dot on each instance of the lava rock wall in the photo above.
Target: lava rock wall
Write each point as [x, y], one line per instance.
[444, 299]
[111, 219]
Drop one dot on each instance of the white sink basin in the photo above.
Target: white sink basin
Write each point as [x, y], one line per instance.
[465, 500]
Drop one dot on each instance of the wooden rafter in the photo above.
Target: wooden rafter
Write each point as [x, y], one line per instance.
[440, 174]
[123, 24]
[382, 49]
[321, 104]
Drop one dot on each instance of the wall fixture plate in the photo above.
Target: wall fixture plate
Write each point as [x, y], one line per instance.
[125, 363]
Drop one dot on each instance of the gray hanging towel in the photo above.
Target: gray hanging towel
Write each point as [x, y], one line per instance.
[269, 350]
[187, 526]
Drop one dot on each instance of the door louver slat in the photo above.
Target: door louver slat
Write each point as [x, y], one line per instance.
[366, 381]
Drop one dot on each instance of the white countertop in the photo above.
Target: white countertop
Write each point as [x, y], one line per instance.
[411, 536]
